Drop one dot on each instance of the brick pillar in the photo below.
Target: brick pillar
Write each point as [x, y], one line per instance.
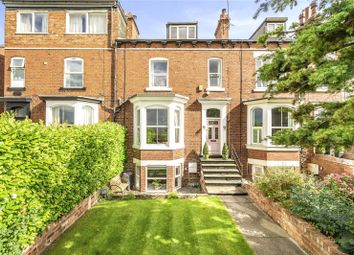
[170, 179]
[143, 184]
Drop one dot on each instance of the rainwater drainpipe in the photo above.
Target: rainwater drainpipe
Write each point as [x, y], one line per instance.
[241, 91]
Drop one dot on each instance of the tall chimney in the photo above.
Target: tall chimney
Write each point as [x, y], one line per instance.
[223, 28]
[132, 32]
[313, 8]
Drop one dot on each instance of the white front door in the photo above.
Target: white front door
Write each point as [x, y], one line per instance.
[213, 136]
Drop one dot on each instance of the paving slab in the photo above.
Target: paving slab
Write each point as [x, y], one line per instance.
[264, 235]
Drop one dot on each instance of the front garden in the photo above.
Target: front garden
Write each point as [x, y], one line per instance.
[144, 227]
[327, 204]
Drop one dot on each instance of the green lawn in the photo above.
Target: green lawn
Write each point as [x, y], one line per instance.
[152, 227]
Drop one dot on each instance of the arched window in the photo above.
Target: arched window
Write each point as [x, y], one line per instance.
[213, 113]
[281, 119]
[157, 126]
[63, 114]
[74, 73]
[215, 73]
[257, 125]
[88, 115]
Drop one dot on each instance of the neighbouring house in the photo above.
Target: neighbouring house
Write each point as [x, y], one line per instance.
[81, 61]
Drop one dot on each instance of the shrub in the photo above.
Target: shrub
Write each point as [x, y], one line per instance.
[46, 171]
[225, 151]
[332, 214]
[340, 184]
[130, 196]
[205, 151]
[277, 184]
[173, 195]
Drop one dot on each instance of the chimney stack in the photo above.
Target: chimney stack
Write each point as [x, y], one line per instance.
[308, 13]
[132, 32]
[313, 7]
[223, 28]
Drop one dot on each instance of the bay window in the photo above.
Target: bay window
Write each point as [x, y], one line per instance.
[17, 67]
[215, 75]
[156, 126]
[177, 123]
[159, 73]
[87, 23]
[74, 73]
[88, 115]
[32, 22]
[281, 119]
[138, 127]
[156, 178]
[257, 125]
[63, 114]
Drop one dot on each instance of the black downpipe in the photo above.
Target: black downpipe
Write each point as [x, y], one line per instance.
[115, 83]
[241, 91]
[124, 84]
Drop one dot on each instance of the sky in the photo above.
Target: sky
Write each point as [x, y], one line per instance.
[154, 14]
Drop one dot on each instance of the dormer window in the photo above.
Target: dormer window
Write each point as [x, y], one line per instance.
[86, 23]
[182, 32]
[32, 22]
[271, 27]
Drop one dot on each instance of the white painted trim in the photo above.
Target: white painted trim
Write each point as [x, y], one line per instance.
[33, 12]
[86, 13]
[158, 89]
[178, 27]
[274, 163]
[83, 71]
[174, 162]
[18, 84]
[150, 73]
[221, 76]
[213, 89]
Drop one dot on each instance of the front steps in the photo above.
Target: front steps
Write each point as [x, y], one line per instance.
[221, 177]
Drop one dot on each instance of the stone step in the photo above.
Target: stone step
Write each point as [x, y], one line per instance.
[222, 175]
[217, 160]
[221, 170]
[219, 165]
[225, 190]
[223, 182]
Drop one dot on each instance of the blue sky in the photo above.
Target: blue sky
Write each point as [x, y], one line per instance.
[153, 15]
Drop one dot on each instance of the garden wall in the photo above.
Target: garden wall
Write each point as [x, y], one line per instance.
[309, 238]
[54, 230]
[332, 165]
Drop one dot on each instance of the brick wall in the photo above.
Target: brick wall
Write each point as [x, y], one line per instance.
[332, 165]
[56, 229]
[309, 238]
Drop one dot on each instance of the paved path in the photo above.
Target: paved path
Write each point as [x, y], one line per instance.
[263, 235]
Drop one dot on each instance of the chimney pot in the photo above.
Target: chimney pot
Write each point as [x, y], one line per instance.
[223, 27]
[306, 14]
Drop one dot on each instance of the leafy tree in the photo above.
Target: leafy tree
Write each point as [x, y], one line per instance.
[321, 54]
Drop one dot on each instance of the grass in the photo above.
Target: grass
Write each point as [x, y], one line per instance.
[153, 227]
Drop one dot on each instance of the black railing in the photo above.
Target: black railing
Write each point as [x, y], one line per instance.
[237, 160]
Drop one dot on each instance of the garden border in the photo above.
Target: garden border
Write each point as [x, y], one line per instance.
[56, 229]
[306, 235]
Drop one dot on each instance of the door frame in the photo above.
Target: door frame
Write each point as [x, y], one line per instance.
[207, 132]
[220, 104]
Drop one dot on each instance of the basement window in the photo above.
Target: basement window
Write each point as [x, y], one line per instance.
[32, 22]
[157, 178]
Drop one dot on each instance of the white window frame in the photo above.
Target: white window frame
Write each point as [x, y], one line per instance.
[17, 84]
[276, 25]
[157, 126]
[260, 85]
[219, 87]
[281, 127]
[177, 128]
[66, 72]
[155, 178]
[86, 13]
[138, 127]
[258, 129]
[64, 106]
[178, 33]
[257, 171]
[152, 87]
[92, 115]
[137, 177]
[178, 177]
[18, 22]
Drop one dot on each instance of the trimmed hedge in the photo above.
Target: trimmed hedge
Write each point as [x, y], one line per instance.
[46, 171]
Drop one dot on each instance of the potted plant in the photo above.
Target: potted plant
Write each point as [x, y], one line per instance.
[225, 152]
[205, 151]
[156, 184]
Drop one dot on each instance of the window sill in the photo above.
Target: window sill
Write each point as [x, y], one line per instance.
[158, 89]
[66, 88]
[259, 90]
[16, 88]
[158, 148]
[67, 33]
[215, 89]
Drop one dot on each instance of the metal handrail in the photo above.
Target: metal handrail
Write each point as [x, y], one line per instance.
[237, 160]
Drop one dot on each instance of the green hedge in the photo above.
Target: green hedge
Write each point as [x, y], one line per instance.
[46, 171]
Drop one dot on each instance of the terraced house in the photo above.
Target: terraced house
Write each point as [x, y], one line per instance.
[81, 61]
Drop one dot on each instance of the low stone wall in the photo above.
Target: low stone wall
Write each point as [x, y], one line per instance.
[332, 165]
[307, 236]
[54, 230]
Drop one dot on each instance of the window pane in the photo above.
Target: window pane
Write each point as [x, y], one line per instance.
[160, 66]
[213, 113]
[276, 117]
[41, 22]
[162, 117]
[214, 66]
[138, 117]
[210, 133]
[182, 32]
[26, 22]
[97, 23]
[285, 118]
[216, 133]
[151, 136]
[173, 34]
[177, 131]
[214, 80]
[157, 172]
[157, 185]
[192, 34]
[275, 130]
[88, 115]
[160, 81]
[17, 62]
[177, 118]
[74, 66]
[77, 23]
[257, 118]
[74, 80]
[63, 114]
[18, 74]
[162, 135]
[151, 117]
